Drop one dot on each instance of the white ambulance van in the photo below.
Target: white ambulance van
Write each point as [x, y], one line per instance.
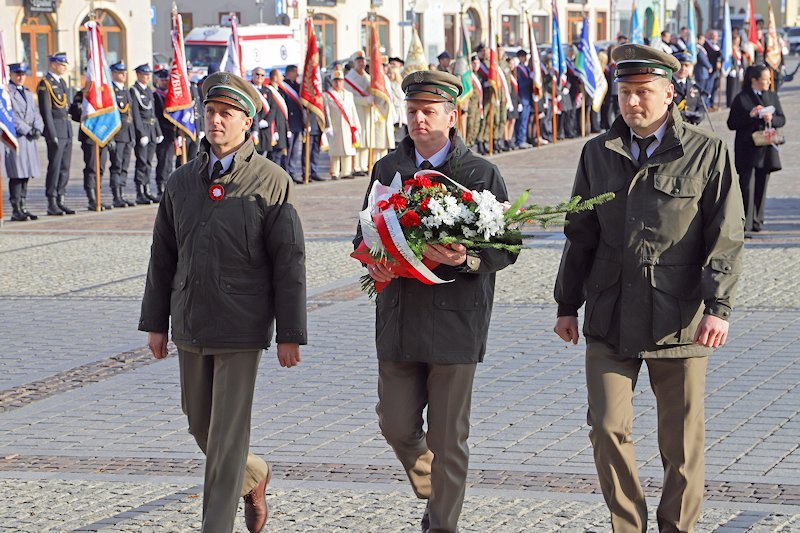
[263, 45]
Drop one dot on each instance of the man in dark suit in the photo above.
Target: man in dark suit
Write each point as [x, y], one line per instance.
[290, 90]
[165, 150]
[54, 106]
[687, 94]
[122, 144]
[278, 120]
[525, 84]
[148, 132]
[703, 69]
[715, 58]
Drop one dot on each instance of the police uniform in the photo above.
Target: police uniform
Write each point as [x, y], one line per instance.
[147, 134]
[227, 272]
[120, 147]
[54, 107]
[687, 94]
[429, 338]
[475, 110]
[655, 263]
[165, 150]
[89, 157]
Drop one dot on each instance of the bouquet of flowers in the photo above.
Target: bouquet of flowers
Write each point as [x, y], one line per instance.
[430, 208]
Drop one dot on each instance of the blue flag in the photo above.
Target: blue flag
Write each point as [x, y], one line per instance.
[587, 64]
[8, 133]
[727, 47]
[637, 35]
[691, 25]
[559, 61]
[100, 119]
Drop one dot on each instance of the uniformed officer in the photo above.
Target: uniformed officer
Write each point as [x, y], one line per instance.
[120, 147]
[525, 87]
[657, 267]
[148, 132]
[54, 107]
[278, 119]
[444, 62]
[165, 150]
[687, 95]
[430, 338]
[290, 90]
[475, 110]
[227, 263]
[90, 165]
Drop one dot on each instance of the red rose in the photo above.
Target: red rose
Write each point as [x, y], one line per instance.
[466, 196]
[383, 204]
[424, 181]
[398, 201]
[410, 219]
[424, 205]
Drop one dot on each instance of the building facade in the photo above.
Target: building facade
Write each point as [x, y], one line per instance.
[34, 29]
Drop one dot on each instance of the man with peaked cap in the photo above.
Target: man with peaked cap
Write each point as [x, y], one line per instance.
[475, 109]
[687, 94]
[90, 165]
[22, 164]
[227, 266]
[429, 338]
[444, 62]
[148, 133]
[344, 127]
[357, 82]
[54, 107]
[657, 267]
[119, 149]
[165, 150]
[525, 88]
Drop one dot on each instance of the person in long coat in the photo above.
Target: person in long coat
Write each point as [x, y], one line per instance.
[278, 119]
[755, 163]
[383, 139]
[22, 164]
[357, 83]
[344, 131]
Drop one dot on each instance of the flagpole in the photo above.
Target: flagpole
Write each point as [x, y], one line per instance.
[553, 81]
[491, 87]
[583, 110]
[307, 143]
[185, 148]
[3, 161]
[97, 175]
[370, 139]
[535, 97]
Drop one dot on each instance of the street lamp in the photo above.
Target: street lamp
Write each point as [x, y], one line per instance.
[260, 6]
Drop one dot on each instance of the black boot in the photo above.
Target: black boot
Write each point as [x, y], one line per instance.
[141, 199]
[52, 207]
[61, 205]
[160, 188]
[25, 211]
[129, 203]
[153, 199]
[16, 214]
[90, 195]
[118, 201]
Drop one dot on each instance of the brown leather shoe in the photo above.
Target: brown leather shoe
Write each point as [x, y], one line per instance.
[256, 509]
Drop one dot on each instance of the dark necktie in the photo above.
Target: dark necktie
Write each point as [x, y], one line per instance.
[217, 172]
[426, 165]
[643, 144]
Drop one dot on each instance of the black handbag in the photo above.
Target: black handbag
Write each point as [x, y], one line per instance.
[772, 159]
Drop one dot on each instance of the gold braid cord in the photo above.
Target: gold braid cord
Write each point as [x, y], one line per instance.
[60, 103]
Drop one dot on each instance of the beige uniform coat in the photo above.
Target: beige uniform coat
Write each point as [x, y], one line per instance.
[340, 143]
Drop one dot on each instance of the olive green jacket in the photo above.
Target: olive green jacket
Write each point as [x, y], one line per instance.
[663, 252]
[227, 271]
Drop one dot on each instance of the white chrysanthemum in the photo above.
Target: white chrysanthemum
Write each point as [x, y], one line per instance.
[428, 234]
[441, 213]
[468, 232]
[465, 215]
[452, 207]
[490, 214]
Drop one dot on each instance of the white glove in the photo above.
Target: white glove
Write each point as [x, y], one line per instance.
[159, 139]
[564, 91]
[329, 132]
[519, 108]
[54, 141]
[289, 134]
[201, 136]
[275, 137]
[144, 141]
[263, 124]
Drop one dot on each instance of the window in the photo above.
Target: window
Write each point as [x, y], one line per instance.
[113, 36]
[541, 29]
[383, 33]
[450, 41]
[472, 20]
[509, 28]
[225, 17]
[36, 33]
[601, 26]
[325, 28]
[574, 26]
[188, 22]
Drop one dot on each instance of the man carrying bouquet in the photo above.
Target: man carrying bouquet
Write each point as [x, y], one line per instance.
[429, 338]
[657, 267]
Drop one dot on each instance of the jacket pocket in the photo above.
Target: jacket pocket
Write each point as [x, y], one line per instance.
[678, 186]
[602, 292]
[254, 232]
[677, 300]
[244, 308]
[177, 302]
[242, 285]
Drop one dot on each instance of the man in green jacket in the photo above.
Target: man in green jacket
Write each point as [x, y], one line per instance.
[429, 338]
[227, 265]
[657, 268]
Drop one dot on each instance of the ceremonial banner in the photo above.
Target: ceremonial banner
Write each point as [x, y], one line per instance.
[8, 133]
[589, 69]
[535, 63]
[772, 55]
[178, 105]
[378, 84]
[100, 118]
[311, 88]
[752, 31]
[727, 48]
[692, 27]
[415, 59]
[233, 62]
[655, 31]
[463, 66]
[637, 35]
[559, 60]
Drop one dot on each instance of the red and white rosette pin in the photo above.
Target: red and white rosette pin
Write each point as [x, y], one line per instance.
[216, 192]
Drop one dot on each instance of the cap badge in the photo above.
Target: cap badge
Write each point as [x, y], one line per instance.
[630, 53]
[419, 77]
[224, 78]
[216, 192]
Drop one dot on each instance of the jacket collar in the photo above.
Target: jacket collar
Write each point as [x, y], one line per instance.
[243, 155]
[407, 165]
[620, 132]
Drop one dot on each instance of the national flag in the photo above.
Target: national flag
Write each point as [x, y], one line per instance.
[655, 31]
[691, 25]
[559, 61]
[535, 63]
[415, 59]
[772, 56]
[589, 69]
[637, 35]
[463, 66]
[178, 104]
[752, 30]
[727, 47]
[233, 61]
[100, 119]
[378, 84]
[8, 133]
[311, 88]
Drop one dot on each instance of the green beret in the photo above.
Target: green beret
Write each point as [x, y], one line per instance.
[640, 63]
[232, 90]
[432, 85]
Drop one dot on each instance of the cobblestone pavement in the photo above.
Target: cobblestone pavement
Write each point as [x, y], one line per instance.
[93, 438]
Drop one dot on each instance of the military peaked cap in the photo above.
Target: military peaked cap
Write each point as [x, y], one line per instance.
[58, 57]
[18, 68]
[144, 69]
[640, 63]
[230, 89]
[431, 85]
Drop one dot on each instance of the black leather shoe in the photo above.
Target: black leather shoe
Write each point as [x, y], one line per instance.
[425, 523]
[141, 199]
[153, 199]
[63, 207]
[52, 208]
[25, 211]
[318, 178]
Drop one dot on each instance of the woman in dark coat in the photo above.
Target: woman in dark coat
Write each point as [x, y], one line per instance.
[754, 163]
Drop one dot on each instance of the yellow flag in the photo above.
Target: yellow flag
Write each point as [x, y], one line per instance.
[415, 59]
[655, 34]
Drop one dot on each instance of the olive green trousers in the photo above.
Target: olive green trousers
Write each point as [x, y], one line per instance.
[217, 397]
[679, 386]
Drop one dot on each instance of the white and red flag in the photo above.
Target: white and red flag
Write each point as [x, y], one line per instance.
[100, 118]
[311, 87]
[178, 105]
[233, 63]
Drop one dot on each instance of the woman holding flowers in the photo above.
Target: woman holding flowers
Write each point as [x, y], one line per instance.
[429, 338]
